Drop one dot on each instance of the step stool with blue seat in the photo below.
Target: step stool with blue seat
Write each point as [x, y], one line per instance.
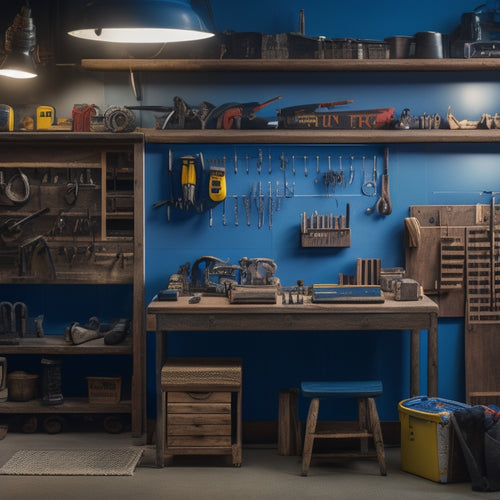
[368, 420]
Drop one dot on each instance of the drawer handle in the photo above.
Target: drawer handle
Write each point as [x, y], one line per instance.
[200, 395]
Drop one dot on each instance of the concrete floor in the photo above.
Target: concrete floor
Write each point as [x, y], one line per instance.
[263, 475]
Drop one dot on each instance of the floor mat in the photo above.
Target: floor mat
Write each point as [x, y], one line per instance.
[76, 462]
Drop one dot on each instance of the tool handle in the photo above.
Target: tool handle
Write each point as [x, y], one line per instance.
[191, 175]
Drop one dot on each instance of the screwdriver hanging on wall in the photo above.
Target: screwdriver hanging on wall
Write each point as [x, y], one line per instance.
[236, 221]
[270, 205]
[246, 203]
[259, 162]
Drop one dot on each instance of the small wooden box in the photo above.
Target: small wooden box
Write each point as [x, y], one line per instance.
[203, 406]
[104, 389]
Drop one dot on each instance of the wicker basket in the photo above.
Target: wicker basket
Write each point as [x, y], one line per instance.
[104, 389]
[193, 373]
[22, 386]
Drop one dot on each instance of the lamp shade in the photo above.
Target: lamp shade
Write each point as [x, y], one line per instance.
[129, 21]
[20, 41]
[18, 65]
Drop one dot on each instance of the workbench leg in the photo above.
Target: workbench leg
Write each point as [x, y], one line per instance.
[432, 358]
[161, 356]
[414, 363]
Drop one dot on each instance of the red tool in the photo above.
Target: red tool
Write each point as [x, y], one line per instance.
[227, 119]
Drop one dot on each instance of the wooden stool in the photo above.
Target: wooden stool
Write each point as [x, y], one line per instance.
[369, 424]
[203, 403]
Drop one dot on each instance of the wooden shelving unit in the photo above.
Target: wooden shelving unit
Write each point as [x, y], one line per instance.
[112, 255]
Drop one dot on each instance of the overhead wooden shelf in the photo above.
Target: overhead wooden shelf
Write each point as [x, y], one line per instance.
[485, 64]
[68, 137]
[319, 136]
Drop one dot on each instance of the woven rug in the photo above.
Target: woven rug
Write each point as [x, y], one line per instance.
[79, 462]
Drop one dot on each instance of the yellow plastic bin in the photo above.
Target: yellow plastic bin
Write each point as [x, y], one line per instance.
[428, 445]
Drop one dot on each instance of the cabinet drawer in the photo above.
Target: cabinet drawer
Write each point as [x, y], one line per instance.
[199, 408]
[199, 418]
[199, 430]
[199, 397]
[208, 441]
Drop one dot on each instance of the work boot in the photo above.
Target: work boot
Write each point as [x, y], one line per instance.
[119, 329]
[92, 324]
[79, 335]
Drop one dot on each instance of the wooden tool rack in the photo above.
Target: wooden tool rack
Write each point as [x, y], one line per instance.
[91, 186]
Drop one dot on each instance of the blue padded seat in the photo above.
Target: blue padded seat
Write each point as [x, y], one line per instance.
[349, 389]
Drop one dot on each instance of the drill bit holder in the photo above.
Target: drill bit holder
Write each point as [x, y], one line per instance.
[328, 231]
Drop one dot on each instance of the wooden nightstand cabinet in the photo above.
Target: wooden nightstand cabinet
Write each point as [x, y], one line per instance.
[203, 407]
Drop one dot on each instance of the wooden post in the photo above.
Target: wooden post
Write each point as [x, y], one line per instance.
[289, 434]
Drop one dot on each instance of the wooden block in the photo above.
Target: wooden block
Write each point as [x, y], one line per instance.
[368, 271]
[289, 432]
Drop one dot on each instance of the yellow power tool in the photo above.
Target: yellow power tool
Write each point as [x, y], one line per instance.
[188, 179]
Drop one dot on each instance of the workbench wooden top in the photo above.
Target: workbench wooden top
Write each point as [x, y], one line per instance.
[221, 305]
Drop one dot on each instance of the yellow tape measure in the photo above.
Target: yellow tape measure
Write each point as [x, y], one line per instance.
[217, 184]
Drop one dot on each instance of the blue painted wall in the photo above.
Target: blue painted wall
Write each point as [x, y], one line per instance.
[420, 174]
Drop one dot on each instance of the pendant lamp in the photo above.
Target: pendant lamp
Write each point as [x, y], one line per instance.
[20, 42]
[140, 21]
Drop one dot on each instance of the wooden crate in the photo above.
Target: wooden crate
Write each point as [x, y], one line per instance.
[104, 389]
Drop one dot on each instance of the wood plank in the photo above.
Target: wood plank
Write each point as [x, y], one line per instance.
[288, 65]
[311, 136]
[70, 405]
[289, 428]
[482, 370]
[55, 345]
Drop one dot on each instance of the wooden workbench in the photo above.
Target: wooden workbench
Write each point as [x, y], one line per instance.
[214, 314]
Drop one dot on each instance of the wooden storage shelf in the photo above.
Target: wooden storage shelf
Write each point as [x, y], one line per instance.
[89, 247]
[55, 345]
[298, 136]
[186, 65]
[70, 405]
